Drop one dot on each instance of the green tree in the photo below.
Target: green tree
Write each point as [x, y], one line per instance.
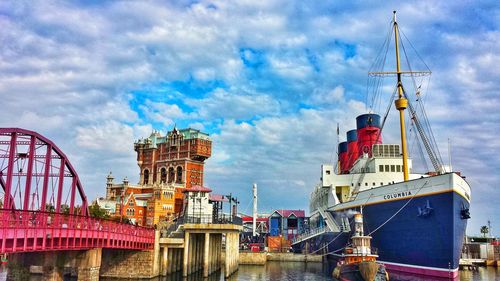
[64, 209]
[123, 220]
[49, 208]
[484, 230]
[97, 212]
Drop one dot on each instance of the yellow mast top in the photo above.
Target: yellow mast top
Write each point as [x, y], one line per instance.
[401, 103]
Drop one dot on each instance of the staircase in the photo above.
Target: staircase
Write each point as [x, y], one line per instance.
[309, 234]
[331, 226]
[330, 221]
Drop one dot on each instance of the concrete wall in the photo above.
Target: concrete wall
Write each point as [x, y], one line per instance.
[253, 258]
[293, 257]
[127, 264]
[260, 258]
[55, 265]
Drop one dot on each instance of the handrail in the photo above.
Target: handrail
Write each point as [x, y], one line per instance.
[49, 231]
[309, 233]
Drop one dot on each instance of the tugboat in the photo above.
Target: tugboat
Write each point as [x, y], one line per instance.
[358, 262]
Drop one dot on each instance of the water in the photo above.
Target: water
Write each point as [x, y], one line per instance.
[291, 271]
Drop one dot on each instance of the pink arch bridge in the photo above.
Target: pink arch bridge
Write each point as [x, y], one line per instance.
[44, 207]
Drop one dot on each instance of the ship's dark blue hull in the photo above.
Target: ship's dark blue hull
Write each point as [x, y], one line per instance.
[425, 237]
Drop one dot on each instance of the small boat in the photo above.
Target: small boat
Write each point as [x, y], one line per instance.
[358, 261]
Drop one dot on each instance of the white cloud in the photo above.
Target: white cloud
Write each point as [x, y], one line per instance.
[162, 112]
[68, 71]
[234, 104]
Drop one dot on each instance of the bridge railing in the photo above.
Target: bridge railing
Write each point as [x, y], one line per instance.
[220, 219]
[36, 230]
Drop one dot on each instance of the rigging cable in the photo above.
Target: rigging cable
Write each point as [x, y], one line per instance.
[335, 238]
[397, 212]
[379, 63]
[430, 136]
[388, 220]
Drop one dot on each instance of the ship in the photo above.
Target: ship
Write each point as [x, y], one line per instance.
[417, 221]
[359, 262]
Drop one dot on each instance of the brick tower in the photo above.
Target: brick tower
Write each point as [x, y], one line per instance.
[176, 159]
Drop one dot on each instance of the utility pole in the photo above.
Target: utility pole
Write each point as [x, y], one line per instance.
[254, 225]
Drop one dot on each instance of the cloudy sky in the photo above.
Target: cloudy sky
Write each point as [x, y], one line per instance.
[268, 80]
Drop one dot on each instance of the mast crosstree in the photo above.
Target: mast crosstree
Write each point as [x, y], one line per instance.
[402, 103]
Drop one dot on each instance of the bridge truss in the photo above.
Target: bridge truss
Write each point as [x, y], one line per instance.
[44, 206]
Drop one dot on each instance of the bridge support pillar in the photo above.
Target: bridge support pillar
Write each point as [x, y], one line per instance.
[203, 249]
[232, 253]
[206, 256]
[186, 257]
[165, 261]
[89, 264]
[50, 268]
[52, 265]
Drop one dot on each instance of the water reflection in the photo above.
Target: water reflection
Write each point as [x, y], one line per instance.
[483, 273]
[291, 271]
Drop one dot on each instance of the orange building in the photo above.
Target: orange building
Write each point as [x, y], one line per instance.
[168, 164]
[176, 159]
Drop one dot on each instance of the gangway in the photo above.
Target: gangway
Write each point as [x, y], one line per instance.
[330, 221]
[309, 234]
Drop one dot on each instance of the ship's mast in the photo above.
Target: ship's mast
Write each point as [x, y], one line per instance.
[401, 103]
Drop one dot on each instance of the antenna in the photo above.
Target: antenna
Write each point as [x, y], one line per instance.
[254, 224]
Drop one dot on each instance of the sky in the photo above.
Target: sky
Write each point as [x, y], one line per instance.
[268, 80]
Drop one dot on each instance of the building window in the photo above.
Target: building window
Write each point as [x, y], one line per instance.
[179, 175]
[163, 175]
[393, 168]
[381, 168]
[387, 168]
[171, 174]
[131, 203]
[366, 184]
[373, 183]
[398, 168]
[327, 172]
[146, 177]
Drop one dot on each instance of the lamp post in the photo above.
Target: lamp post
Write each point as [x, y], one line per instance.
[199, 200]
[192, 208]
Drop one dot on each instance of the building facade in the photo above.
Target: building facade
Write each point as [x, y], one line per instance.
[168, 165]
[176, 159]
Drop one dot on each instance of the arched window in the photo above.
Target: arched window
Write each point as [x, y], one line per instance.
[179, 175]
[163, 175]
[171, 174]
[146, 176]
